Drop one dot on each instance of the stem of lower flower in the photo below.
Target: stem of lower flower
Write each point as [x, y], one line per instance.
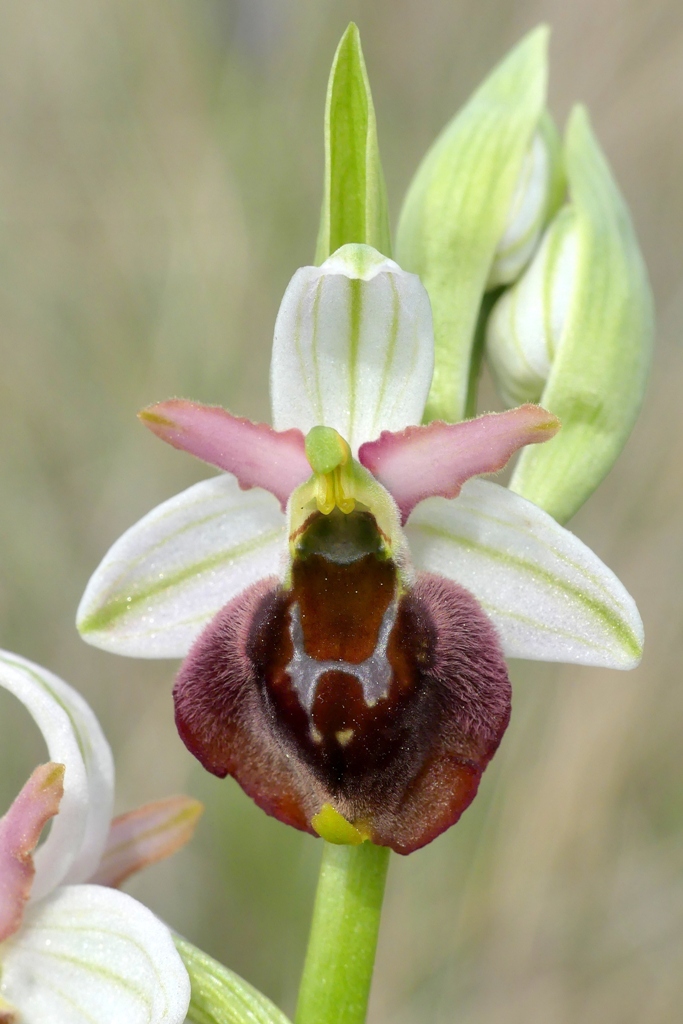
[335, 985]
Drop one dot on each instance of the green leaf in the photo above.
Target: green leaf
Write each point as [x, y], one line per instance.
[355, 203]
[219, 996]
[456, 209]
[598, 376]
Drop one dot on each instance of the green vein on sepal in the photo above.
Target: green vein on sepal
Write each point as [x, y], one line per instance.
[614, 623]
[354, 203]
[219, 996]
[115, 608]
[109, 974]
[589, 576]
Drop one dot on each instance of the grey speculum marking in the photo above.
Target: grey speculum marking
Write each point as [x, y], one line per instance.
[373, 674]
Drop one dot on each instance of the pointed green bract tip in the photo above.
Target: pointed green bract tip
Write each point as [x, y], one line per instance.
[351, 37]
[578, 120]
[528, 59]
[537, 37]
[532, 49]
[334, 828]
[354, 204]
[326, 449]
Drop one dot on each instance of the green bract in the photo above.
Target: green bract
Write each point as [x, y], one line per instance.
[355, 201]
[219, 996]
[461, 201]
[575, 333]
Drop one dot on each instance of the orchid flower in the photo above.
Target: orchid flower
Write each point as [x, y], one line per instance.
[344, 593]
[71, 948]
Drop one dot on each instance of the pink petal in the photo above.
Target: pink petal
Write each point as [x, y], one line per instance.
[421, 462]
[255, 453]
[146, 835]
[20, 831]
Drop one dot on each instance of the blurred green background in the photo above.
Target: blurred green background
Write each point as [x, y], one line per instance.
[160, 180]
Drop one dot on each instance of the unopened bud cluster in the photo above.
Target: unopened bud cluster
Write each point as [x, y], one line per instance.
[528, 254]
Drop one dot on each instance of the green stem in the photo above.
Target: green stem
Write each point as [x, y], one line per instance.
[335, 985]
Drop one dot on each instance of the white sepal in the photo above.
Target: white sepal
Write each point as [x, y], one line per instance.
[549, 596]
[353, 347]
[93, 954]
[73, 738]
[168, 575]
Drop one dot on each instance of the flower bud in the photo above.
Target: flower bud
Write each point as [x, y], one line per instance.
[473, 210]
[575, 333]
[526, 325]
[537, 195]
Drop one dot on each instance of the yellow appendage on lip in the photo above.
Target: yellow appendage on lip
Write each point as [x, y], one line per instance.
[334, 828]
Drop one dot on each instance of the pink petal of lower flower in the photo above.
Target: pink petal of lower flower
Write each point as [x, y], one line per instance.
[421, 462]
[20, 831]
[146, 835]
[255, 453]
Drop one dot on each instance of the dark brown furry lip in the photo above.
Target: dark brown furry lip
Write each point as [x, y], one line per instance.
[346, 689]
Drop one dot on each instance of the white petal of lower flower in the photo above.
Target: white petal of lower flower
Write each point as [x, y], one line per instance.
[549, 596]
[95, 955]
[146, 835]
[73, 736]
[167, 576]
[353, 347]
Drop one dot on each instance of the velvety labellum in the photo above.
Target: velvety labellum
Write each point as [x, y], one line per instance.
[344, 688]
